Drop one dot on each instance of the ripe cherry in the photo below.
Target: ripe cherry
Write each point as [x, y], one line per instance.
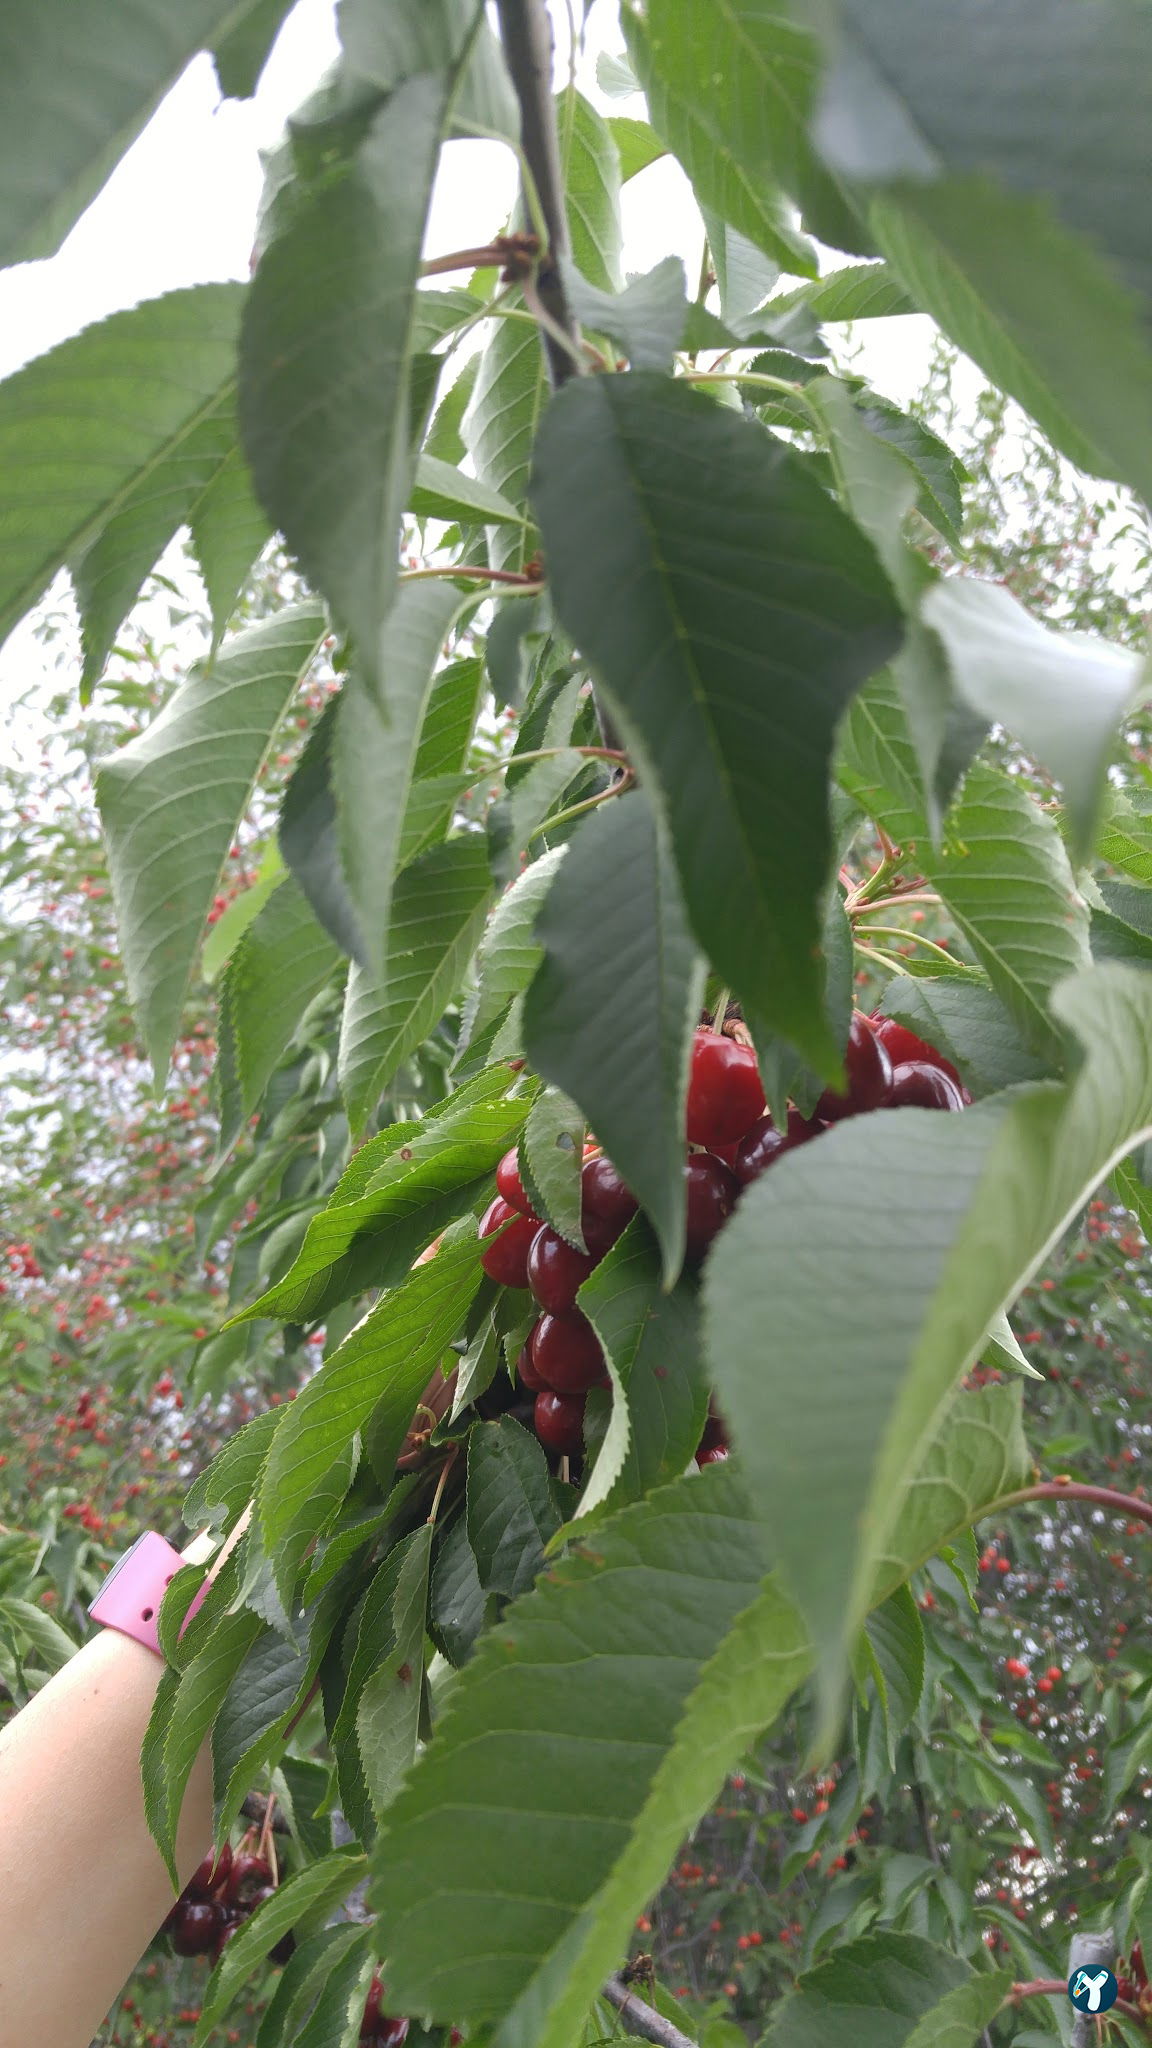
[566, 1353]
[559, 1423]
[372, 2003]
[248, 1873]
[211, 1873]
[764, 1143]
[712, 1192]
[556, 1270]
[607, 1205]
[869, 1071]
[902, 1045]
[525, 1369]
[511, 1187]
[725, 1095]
[917, 1084]
[604, 1194]
[711, 1454]
[507, 1259]
[195, 1927]
[391, 2033]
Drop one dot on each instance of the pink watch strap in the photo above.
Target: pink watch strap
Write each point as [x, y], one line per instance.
[129, 1599]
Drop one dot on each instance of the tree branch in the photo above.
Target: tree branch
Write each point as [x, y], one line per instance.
[526, 32]
[640, 2019]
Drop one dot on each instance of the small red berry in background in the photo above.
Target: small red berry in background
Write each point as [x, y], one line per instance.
[725, 1095]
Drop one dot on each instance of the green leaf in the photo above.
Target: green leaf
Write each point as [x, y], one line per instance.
[652, 1342]
[511, 388]
[509, 954]
[1125, 838]
[441, 491]
[1015, 234]
[610, 1014]
[567, 1708]
[90, 430]
[638, 144]
[306, 1895]
[458, 1602]
[303, 1979]
[283, 961]
[249, 1729]
[241, 53]
[552, 1160]
[941, 474]
[727, 671]
[1005, 877]
[76, 88]
[739, 122]
[229, 1482]
[977, 1453]
[864, 291]
[962, 1209]
[880, 487]
[970, 1026]
[386, 46]
[182, 1716]
[388, 1715]
[326, 337]
[171, 799]
[438, 908]
[1062, 695]
[646, 318]
[885, 1988]
[449, 718]
[895, 1635]
[200, 475]
[52, 1646]
[403, 1171]
[222, 938]
[308, 833]
[376, 746]
[386, 1361]
[744, 275]
[512, 1512]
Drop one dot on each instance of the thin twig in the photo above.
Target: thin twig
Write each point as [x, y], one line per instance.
[526, 32]
[640, 2019]
[1130, 1505]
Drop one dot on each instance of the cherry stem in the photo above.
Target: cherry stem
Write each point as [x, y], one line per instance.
[441, 1483]
[302, 1709]
[884, 960]
[624, 782]
[894, 902]
[1128, 1504]
[895, 931]
[550, 754]
[516, 576]
[1053, 1987]
[721, 1010]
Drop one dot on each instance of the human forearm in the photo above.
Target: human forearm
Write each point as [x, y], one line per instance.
[82, 1885]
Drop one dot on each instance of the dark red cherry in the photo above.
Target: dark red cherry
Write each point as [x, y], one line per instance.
[391, 2033]
[566, 1353]
[604, 1195]
[284, 1949]
[755, 1153]
[195, 1927]
[714, 1442]
[526, 1370]
[711, 1454]
[869, 1072]
[903, 1045]
[212, 1872]
[712, 1192]
[372, 2003]
[248, 1873]
[725, 1095]
[511, 1187]
[559, 1423]
[920, 1084]
[556, 1270]
[507, 1259]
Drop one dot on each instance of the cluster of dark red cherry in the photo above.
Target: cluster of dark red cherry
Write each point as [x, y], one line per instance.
[733, 1142]
[220, 1897]
[217, 1900]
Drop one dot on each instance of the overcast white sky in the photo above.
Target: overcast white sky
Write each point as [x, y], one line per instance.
[181, 209]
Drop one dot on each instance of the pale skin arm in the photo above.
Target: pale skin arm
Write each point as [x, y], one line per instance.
[82, 1885]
